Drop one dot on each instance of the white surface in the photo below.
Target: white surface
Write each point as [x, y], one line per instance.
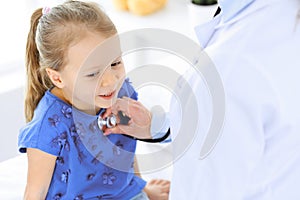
[13, 178]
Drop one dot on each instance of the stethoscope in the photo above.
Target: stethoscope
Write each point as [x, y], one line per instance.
[111, 121]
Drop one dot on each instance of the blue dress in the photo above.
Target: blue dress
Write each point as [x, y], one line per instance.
[89, 165]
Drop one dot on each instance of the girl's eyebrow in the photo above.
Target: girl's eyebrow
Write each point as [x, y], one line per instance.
[92, 68]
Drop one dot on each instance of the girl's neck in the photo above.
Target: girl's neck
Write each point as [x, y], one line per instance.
[59, 93]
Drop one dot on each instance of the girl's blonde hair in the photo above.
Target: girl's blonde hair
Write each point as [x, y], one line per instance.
[49, 38]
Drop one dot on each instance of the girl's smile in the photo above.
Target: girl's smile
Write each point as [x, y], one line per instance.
[108, 96]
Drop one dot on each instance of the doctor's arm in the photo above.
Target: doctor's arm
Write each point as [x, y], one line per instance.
[40, 169]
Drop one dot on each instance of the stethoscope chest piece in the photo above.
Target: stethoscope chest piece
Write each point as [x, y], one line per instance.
[109, 122]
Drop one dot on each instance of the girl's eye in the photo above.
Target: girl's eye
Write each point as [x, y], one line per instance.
[116, 63]
[93, 74]
[98, 72]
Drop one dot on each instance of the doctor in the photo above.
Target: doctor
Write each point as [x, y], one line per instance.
[255, 47]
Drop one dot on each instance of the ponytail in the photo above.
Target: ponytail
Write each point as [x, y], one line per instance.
[36, 77]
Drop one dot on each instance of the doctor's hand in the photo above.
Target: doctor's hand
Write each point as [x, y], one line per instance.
[140, 118]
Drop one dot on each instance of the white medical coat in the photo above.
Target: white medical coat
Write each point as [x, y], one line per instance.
[255, 48]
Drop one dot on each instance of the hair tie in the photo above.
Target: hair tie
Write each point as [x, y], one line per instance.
[46, 10]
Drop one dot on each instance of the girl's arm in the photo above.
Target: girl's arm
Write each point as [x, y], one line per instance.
[40, 169]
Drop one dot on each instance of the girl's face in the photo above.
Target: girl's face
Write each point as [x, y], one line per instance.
[94, 73]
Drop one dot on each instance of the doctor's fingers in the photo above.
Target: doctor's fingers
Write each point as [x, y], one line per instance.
[141, 132]
[132, 101]
[107, 112]
[164, 184]
[165, 188]
[159, 181]
[120, 129]
[122, 104]
[114, 130]
[164, 196]
[127, 105]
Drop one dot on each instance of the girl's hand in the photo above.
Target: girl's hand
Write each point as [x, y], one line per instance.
[158, 189]
[140, 118]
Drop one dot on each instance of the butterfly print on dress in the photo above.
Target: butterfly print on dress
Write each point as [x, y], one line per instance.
[98, 157]
[57, 196]
[62, 141]
[54, 120]
[60, 160]
[79, 197]
[76, 140]
[80, 129]
[94, 126]
[117, 148]
[81, 156]
[74, 136]
[90, 176]
[66, 111]
[65, 176]
[108, 178]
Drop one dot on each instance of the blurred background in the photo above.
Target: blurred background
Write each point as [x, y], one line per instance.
[176, 15]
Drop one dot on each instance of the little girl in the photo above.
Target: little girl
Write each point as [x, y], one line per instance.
[68, 155]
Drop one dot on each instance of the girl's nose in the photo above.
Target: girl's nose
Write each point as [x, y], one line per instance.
[108, 78]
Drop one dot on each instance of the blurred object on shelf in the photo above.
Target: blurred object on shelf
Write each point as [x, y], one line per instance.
[120, 4]
[204, 2]
[140, 7]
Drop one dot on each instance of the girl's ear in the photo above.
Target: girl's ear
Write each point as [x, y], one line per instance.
[55, 77]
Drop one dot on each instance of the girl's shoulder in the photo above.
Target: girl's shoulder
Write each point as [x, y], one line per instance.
[51, 121]
[50, 112]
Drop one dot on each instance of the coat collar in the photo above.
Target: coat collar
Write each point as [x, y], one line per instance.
[232, 11]
[231, 8]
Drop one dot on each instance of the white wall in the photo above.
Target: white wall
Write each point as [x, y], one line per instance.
[11, 119]
[12, 79]
[14, 21]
